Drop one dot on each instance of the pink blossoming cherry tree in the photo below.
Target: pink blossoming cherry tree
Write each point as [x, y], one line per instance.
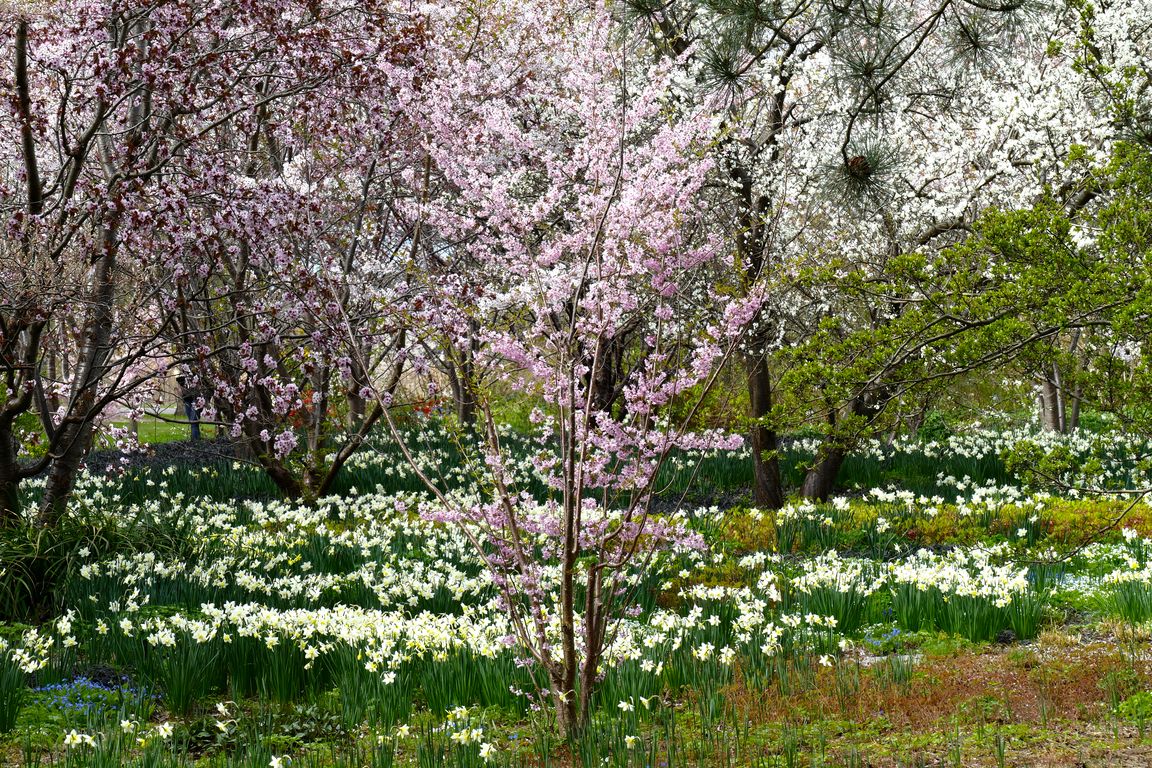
[566, 188]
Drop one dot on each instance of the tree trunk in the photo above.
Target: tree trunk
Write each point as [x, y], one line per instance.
[466, 398]
[242, 447]
[567, 720]
[751, 247]
[287, 483]
[53, 391]
[1072, 393]
[821, 478]
[74, 438]
[768, 487]
[607, 375]
[463, 397]
[1073, 421]
[597, 610]
[1051, 401]
[461, 369]
[9, 478]
[357, 405]
[324, 480]
[570, 661]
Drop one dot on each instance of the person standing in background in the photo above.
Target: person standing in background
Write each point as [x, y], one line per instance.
[189, 396]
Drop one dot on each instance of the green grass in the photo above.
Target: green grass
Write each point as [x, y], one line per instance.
[152, 431]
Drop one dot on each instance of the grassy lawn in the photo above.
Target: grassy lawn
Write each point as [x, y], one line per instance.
[152, 431]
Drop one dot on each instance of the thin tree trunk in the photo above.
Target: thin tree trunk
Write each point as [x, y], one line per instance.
[74, 437]
[1073, 422]
[768, 487]
[461, 369]
[357, 405]
[53, 391]
[751, 245]
[1079, 361]
[597, 606]
[466, 394]
[1050, 402]
[568, 715]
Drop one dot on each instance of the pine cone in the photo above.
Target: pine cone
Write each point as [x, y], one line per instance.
[859, 167]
